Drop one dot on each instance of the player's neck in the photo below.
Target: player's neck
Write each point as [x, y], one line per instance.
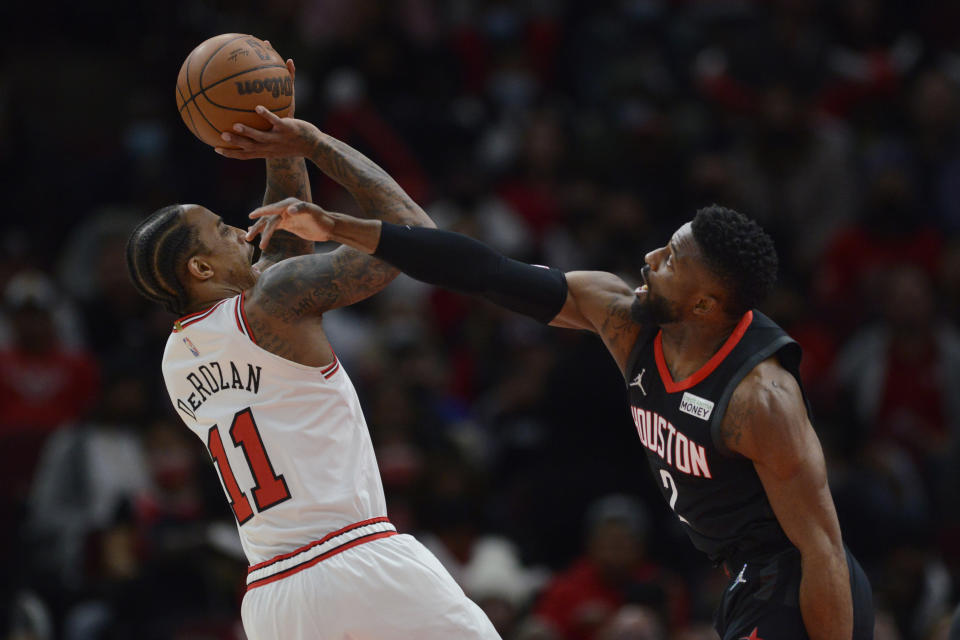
[208, 295]
[687, 346]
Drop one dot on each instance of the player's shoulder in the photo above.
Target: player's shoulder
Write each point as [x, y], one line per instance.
[767, 389]
[768, 399]
[293, 289]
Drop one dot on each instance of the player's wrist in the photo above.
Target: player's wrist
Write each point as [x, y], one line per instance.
[363, 235]
[309, 138]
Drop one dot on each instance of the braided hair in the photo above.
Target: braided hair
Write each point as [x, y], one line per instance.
[156, 254]
[739, 252]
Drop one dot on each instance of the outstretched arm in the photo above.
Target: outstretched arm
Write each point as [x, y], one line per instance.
[346, 275]
[594, 301]
[766, 421]
[378, 195]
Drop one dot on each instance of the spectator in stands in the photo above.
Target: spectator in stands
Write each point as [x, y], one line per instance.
[794, 174]
[851, 282]
[87, 471]
[43, 386]
[902, 373]
[615, 571]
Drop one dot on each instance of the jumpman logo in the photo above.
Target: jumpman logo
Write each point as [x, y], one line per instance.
[740, 579]
[638, 381]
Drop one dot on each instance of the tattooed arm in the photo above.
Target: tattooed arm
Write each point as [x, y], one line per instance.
[310, 285]
[591, 300]
[286, 177]
[378, 195]
[600, 302]
[358, 275]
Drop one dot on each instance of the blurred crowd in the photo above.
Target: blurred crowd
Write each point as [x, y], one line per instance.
[574, 134]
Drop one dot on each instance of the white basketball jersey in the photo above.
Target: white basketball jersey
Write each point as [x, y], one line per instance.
[289, 441]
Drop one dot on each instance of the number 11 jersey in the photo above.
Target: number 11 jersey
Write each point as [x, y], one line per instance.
[289, 441]
[715, 493]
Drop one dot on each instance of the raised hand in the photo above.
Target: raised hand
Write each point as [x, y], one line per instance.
[286, 138]
[303, 219]
[292, 70]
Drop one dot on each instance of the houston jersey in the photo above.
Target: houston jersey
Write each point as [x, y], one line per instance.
[716, 494]
[289, 441]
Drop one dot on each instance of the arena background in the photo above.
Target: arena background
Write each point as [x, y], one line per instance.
[575, 134]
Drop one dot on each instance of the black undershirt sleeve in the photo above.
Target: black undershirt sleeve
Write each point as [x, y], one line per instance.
[462, 264]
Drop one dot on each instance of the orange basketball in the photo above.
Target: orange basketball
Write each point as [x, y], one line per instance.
[224, 79]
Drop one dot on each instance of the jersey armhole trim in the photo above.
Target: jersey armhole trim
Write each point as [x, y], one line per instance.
[721, 409]
[241, 317]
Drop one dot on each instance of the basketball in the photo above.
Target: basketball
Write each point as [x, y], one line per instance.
[224, 79]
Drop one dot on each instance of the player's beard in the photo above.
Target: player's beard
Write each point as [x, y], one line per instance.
[653, 310]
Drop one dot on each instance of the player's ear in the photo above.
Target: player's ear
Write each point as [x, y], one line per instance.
[706, 305]
[199, 268]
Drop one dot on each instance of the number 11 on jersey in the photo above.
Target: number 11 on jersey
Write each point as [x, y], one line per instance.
[269, 489]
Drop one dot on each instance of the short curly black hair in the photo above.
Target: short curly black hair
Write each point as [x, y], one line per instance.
[739, 252]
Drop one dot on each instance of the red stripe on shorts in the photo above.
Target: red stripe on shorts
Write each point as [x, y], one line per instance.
[309, 563]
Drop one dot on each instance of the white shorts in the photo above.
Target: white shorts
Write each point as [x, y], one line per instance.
[387, 587]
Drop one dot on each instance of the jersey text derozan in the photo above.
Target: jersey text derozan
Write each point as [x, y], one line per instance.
[214, 377]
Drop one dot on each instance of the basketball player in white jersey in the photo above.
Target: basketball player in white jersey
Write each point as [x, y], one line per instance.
[250, 371]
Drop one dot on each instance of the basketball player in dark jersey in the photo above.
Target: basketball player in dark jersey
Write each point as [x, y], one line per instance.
[714, 388]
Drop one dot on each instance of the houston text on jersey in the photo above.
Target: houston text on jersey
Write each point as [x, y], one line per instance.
[660, 436]
[213, 377]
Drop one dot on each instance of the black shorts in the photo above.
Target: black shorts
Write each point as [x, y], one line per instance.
[761, 601]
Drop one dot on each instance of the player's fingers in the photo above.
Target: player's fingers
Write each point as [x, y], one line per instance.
[268, 230]
[268, 115]
[236, 154]
[292, 68]
[242, 134]
[256, 228]
[271, 209]
[241, 142]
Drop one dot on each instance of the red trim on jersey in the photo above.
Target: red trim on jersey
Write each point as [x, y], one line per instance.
[195, 317]
[705, 370]
[331, 368]
[189, 316]
[309, 563]
[306, 547]
[236, 318]
[243, 316]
